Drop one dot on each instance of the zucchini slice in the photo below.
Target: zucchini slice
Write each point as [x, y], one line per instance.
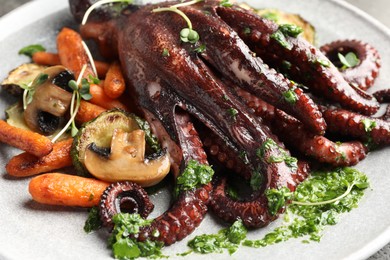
[100, 131]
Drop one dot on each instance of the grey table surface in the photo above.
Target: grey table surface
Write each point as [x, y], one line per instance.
[380, 9]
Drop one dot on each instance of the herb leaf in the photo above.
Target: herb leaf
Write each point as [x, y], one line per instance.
[368, 125]
[193, 176]
[290, 96]
[277, 198]
[31, 49]
[93, 221]
[225, 3]
[350, 60]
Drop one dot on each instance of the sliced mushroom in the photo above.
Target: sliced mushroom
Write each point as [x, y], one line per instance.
[49, 103]
[126, 160]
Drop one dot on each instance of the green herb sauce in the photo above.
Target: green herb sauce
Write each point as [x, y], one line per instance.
[124, 247]
[283, 156]
[193, 176]
[229, 239]
[290, 96]
[93, 221]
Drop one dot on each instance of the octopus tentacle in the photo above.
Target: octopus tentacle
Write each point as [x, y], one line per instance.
[293, 134]
[368, 129]
[253, 213]
[233, 59]
[124, 195]
[311, 67]
[362, 75]
[189, 209]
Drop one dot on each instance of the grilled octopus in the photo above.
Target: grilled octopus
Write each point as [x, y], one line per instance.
[202, 100]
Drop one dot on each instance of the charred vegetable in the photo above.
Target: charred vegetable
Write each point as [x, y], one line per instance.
[45, 101]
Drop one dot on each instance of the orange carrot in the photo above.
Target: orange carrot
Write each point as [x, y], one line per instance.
[101, 99]
[114, 84]
[52, 59]
[25, 140]
[72, 53]
[46, 58]
[25, 164]
[88, 111]
[66, 190]
[101, 68]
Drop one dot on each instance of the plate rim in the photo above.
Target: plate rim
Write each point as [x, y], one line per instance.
[48, 7]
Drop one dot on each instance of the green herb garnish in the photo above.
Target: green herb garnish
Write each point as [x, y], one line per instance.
[350, 60]
[290, 30]
[281, 39]
[165, 52]
[80, 91]
[93, 221]
[290, 96]
[229, 238]
[233, 113]
[150, 138]
[31, 49]
[283, 156]
[247, 30]
[277, 198]
[125, 247]
[225, 3]
[256, 180]
[324, 63]
[368, 125]
[186, 34]
[200, 49]
[317, 202]
[29, 89]
[193, 176]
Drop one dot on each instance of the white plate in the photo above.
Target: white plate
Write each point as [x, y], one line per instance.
[32, 231]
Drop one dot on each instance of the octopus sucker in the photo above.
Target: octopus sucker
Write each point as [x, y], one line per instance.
[221, 94]
[362, 75]
[311, 67]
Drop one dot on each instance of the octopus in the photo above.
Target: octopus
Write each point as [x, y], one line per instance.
[223, 98]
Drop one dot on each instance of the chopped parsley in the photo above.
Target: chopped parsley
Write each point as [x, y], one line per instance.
[150, 138]
[31, 49]
[247, 30]
[368, 125]
[225, 3]
[229, 239]
[281, 39]
[256, 180]
[283, 156]
[317, 203]
[290, 30]
[193, 176]
[93, 221]
[233, 112]
[165, 53]
[290, 96]
[277, 198]
[200, 49]
[350, 60]
[125, 247]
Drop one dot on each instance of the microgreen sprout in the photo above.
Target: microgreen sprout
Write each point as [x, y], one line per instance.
[100, 3]
[186, 34]
[29, 89]
[89, 54]
[350, 60]
[80, 91]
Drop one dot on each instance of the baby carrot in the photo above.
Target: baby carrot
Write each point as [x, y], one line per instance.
[88, 111]
[25, 164]
[101, 99]
[46, 58]
[25, 140]
[114, 84]
[66, 190]
[72, 52]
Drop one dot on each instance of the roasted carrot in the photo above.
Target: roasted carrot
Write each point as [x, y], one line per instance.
[46, 58]
[72, 53]
[52, 59]
[101, 68]
[25, 164]
[101, 99]
[66, 190]
[88, 111]
[114, 84]
[25, 140]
